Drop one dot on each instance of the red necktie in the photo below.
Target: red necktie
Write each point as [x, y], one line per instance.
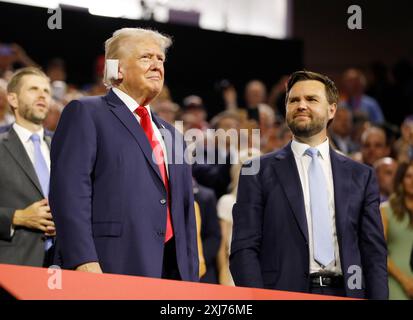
[146, 125]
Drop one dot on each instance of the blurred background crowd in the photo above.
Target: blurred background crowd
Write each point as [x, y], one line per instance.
[373, 125]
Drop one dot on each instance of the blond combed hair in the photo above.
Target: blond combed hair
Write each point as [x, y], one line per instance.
[15, 81]
[113, 45]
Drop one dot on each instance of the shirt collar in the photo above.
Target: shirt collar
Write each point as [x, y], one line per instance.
[299, 149]
[25, 134]
[129, 101]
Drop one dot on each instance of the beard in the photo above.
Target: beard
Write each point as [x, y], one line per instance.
[29, 113]
[306, 128]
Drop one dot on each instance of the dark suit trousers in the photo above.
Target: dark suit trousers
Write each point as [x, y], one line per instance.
[170, 267]
[328, 291]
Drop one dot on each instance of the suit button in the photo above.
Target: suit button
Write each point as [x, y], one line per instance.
[162, 201]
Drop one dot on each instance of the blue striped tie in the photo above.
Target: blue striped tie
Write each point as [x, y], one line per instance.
[43, 174]
[322, 233]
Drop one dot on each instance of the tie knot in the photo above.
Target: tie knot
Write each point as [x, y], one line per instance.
[312, 152]
[35, 138]
[142, 112]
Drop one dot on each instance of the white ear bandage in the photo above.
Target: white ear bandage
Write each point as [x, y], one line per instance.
[111, 69]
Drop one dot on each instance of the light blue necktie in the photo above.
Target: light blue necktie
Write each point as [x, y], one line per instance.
[43, 174]
[322, 233]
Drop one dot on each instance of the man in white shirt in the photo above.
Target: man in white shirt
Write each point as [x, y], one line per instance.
[309, 221]
[26, 224]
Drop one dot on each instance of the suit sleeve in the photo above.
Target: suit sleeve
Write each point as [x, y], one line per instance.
[73, 153]
[247, 232]
[191, 231]
[373, 247]
[6, 217]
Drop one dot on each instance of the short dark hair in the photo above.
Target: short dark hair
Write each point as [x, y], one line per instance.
[330, 87]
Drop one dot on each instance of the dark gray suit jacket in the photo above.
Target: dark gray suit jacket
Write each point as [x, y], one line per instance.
[19, 188]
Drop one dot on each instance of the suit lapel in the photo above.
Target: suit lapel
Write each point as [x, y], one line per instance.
[48, 140]
[121, 111]
[169, 140]
[341, 169]
[287, 173]
[17, 151]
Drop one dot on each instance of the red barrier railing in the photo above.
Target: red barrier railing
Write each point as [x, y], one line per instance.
[51, 284]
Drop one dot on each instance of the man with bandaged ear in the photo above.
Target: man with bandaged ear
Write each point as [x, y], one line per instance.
[120, 192]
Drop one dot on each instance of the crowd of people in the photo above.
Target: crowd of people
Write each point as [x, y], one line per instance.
[373, 125]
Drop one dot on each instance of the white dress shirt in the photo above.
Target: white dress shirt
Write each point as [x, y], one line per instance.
[24, 136]
[132, 106]
[303, 162]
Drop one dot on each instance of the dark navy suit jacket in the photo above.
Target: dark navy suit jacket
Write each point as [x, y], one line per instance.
[107, 195]
[270, 237]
